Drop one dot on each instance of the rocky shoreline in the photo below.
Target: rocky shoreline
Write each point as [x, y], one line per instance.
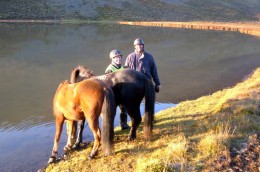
[252, 28]
[243, 157]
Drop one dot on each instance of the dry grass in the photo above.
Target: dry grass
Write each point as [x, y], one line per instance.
[186, 137]
[214, 142]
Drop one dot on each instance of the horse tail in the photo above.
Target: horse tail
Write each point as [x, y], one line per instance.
[149, 108]
[74, 75]
[108, 115]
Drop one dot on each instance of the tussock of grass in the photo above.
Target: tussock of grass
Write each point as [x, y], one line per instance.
[186, 137]
[174, 151]
[214, 142]
[177, 149]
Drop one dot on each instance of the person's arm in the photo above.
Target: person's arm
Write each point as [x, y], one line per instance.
[157, 88]
[154, 72]
[127, 65]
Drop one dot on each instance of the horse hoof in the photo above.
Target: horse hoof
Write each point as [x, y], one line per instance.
[64, 157]
[108, 154]
[90, 157]
[129, 139]
[67, 148]
[76, 146]
[125, 127]
[52, 159]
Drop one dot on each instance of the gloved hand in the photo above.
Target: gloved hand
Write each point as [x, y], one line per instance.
[157, 88]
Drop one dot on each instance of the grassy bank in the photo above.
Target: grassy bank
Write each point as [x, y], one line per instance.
[196, 135]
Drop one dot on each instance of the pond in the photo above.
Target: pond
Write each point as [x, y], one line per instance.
[35, 58]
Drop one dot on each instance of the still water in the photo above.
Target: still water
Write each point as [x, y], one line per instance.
[35, 58]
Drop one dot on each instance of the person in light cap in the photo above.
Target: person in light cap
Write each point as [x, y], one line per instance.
[142, 61]
[116, 64]
[116, 61]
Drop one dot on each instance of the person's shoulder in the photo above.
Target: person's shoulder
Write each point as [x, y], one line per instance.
[109, 66]
[132, 54]
[109, 69]
[148, 54]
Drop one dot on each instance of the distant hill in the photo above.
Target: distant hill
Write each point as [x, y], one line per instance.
[133, 10]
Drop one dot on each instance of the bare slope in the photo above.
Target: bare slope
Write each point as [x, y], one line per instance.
[133, 10]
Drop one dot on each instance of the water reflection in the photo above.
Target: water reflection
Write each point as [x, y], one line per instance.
[35, 58]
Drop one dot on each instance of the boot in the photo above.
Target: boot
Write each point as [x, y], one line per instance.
[123, 121]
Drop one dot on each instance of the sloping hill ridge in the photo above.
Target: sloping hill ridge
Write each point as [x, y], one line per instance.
[133, 10]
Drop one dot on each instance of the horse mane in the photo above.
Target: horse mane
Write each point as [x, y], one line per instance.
[80, 73]
[62, 83]
[103, 77]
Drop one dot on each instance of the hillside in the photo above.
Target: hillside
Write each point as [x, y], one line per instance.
[133, 10]
[218, 132]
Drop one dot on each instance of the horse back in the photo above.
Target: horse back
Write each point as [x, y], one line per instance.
[66, 102]
[91, 88]
[91, 93]
[128, 85]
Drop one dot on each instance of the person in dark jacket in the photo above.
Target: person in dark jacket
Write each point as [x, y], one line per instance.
[142, 61]
[116, 64]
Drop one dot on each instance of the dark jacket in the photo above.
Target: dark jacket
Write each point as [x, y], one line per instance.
[144, 64]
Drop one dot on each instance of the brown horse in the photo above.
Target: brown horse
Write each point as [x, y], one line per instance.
[85, 100]
[129, 88]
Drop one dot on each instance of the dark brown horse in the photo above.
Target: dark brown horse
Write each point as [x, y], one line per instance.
[129, 88]
[85, 100]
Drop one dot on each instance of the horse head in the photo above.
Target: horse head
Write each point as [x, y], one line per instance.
[80, 73]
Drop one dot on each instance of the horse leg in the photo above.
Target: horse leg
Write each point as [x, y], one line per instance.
[71, 131]
[136, 119]
[94, 126]
[81, 124]
[59, 120]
